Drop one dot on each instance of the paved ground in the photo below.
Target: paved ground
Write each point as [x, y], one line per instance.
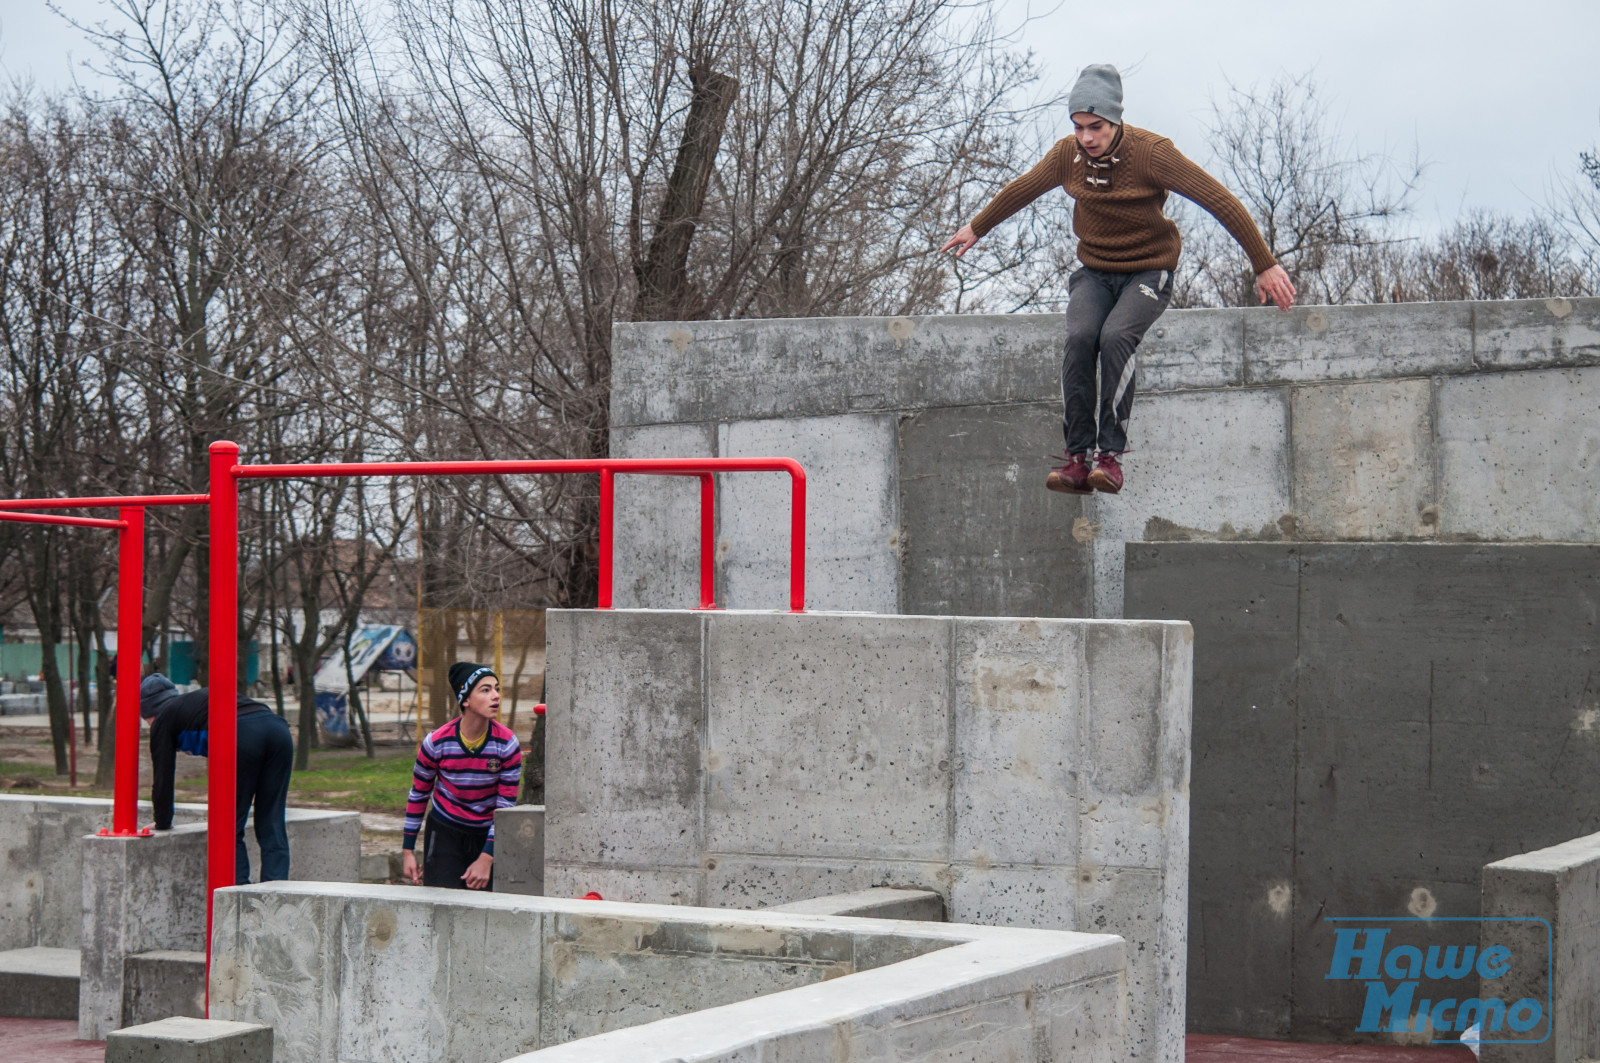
[47, 1041]
[56, 1041]
[1209, 1048]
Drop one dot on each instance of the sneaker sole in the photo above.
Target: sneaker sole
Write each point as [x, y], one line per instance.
[1063, 489]
[1101, 482]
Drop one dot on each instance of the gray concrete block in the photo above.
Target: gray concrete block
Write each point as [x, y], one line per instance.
[982, 536]
[656, 551]
[1356, 342]
[163, 983]
[1536, 333]
[1364, 460]
[881, 903]
[1192, 349]
[1019, 706]
[630, 779]
[1415, 711]
[843, 752]
[1520, 455]
[829, 711]
[143, 895]
[39, 983]
[669, 372]
[519, 850]
[1243, 602]
[578, 978]
[852, 519]
[654, 885]
[191, 1040]
[1214, 465]
[1544, 907]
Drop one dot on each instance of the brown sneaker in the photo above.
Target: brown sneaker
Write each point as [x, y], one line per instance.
[1107, 474]
[1071, 478]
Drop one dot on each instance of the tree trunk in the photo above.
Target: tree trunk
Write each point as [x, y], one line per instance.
[665, 293]
[105, 771]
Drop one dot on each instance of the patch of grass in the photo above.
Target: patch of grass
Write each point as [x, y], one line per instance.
[345, 779]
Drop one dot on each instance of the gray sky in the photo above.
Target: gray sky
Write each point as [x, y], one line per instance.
[1499, 98]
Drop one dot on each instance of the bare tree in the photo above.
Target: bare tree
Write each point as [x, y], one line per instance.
[1317, 197]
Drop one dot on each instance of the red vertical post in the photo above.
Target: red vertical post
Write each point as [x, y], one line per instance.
[606, 487]
[797, 542]
[223, 680]
[130, 642]
[708, 541]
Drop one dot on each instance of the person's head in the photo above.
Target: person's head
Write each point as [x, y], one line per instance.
[1096, 106]
[155, 690]
[476, 687]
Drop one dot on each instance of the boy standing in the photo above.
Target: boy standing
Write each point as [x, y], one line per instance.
[1119, 177]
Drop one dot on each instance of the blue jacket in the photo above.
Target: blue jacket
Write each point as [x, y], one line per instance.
[181, 727]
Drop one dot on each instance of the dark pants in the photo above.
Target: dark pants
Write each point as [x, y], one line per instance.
[447, 850]
[1107, 315]
[265, 759]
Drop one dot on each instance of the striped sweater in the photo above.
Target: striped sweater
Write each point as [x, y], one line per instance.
[465, 787]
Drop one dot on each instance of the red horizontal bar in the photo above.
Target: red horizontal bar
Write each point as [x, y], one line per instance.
[104, 501]
[645, 466]
[47, 518]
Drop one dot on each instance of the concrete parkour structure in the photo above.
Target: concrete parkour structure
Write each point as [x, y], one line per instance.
[941, 806]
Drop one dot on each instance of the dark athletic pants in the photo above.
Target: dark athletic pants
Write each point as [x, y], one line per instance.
[265, 758]
[1107, 315]
[447, 850]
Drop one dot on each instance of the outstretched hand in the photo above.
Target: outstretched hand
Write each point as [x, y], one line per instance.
[1274, 285]
[962, 241]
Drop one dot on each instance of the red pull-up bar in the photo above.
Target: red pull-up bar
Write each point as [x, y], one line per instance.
[224, 665]
[130, 641]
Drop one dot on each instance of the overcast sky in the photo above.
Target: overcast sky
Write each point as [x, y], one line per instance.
[1500, 98]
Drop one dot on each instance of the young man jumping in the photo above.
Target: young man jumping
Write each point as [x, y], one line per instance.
[1119, 177]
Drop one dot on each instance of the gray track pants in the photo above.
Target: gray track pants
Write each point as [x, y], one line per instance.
[1107, 315]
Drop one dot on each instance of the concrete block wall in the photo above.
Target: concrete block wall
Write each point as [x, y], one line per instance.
[1373, 722]
[41, 865]
[926, 443]
[143, 906]
[1561, 886]
[1032, 772]
[378, 973]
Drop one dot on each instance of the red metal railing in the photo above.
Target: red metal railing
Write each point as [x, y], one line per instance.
[130, 604]
[224, 497]
[130, 622]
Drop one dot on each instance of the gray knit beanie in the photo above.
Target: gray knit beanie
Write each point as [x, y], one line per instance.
[1099, 92]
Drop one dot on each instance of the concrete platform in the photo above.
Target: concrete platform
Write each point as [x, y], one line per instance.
[39, 983]
[189, 1040]
[377, 973]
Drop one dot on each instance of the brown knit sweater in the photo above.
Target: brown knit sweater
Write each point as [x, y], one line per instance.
[1117, 214]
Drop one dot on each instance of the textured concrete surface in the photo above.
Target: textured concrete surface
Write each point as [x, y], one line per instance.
[162, 983]
[519, 850]
[1372, 723]
[985, 543]
[41, 864]
[884, 902]
[1447, 421]
[1555, 960]
[191, 1040]
[379, 973]
[143, 895]
[1032, 772]
[39, 983]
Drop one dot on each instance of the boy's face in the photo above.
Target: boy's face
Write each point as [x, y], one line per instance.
[1095, 134]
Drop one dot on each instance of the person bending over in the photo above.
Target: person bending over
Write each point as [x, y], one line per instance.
[464, 771]
[1119, 177]
[263, 763]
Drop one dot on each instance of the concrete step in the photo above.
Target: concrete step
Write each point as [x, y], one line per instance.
[39, 983]
[162, 983]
